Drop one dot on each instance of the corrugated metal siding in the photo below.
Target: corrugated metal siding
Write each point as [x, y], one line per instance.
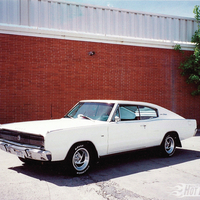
[60, 15]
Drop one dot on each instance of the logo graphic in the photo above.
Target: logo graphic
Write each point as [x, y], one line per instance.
[186, 190]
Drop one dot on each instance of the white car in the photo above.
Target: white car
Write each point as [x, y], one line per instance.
[96, 128]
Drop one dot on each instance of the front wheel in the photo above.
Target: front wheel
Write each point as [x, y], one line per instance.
[168, 146]
[79, 159]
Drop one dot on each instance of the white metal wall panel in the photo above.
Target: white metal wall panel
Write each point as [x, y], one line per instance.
[13, 8]
[175, 27]
[64, 16]
[3, 12]
[24, 15]
[189, 30]
[33, 13]
[43, 14]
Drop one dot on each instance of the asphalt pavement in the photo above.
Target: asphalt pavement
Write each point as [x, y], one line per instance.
[140, 175]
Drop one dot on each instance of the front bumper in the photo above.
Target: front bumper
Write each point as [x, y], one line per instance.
[24, 151]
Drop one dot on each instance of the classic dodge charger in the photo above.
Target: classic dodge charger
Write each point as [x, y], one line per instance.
[96, 128]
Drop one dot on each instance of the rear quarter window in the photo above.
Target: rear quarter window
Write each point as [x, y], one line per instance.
[147, 113]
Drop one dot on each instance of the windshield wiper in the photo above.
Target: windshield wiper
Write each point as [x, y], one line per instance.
[85, 117]
[69, 116]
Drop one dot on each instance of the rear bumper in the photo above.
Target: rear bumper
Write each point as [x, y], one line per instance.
[24, 151]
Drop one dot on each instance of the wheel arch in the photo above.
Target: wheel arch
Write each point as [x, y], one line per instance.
[88, 143]
[175, 135]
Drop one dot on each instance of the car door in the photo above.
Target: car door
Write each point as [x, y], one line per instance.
[132, 130]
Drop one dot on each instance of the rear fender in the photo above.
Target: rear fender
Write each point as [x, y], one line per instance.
[175, 136]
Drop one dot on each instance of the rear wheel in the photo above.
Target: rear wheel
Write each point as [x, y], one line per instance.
[80, 159]
[168, 146]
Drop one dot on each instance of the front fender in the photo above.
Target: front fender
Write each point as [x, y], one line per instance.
[59, 142]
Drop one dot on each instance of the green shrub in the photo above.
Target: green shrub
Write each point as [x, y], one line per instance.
[191, 66]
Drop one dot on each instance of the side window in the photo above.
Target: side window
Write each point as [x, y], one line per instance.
[128, 112]
[147, 112]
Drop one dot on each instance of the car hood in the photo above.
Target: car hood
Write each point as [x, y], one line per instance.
[45, 126]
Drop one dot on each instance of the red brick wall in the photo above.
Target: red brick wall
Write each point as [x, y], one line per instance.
[38, 75]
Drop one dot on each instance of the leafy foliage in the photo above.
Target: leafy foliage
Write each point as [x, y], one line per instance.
[191, 66]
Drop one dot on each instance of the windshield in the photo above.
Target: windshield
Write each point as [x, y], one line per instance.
[95, 111]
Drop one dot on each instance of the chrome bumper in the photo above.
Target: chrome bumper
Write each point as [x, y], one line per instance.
[26, 151]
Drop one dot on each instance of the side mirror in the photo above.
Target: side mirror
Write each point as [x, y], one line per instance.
[117, 119]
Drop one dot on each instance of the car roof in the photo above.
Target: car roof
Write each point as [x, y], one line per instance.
[163, 112]
[122, 102]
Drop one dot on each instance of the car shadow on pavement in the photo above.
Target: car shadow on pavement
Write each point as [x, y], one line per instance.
[108, 168]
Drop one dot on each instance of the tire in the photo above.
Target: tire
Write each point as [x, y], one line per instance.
[168, 146]
[80, 159]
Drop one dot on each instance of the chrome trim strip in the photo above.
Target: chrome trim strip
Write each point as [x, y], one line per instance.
[26, 152]
[20, 144]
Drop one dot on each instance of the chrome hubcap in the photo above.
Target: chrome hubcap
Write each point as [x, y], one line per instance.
[80, 159]
[169, 145]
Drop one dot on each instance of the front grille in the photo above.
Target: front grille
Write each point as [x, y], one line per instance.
[22, 138]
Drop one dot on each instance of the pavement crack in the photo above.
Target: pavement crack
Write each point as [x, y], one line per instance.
[110, 190]
[48, 190]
